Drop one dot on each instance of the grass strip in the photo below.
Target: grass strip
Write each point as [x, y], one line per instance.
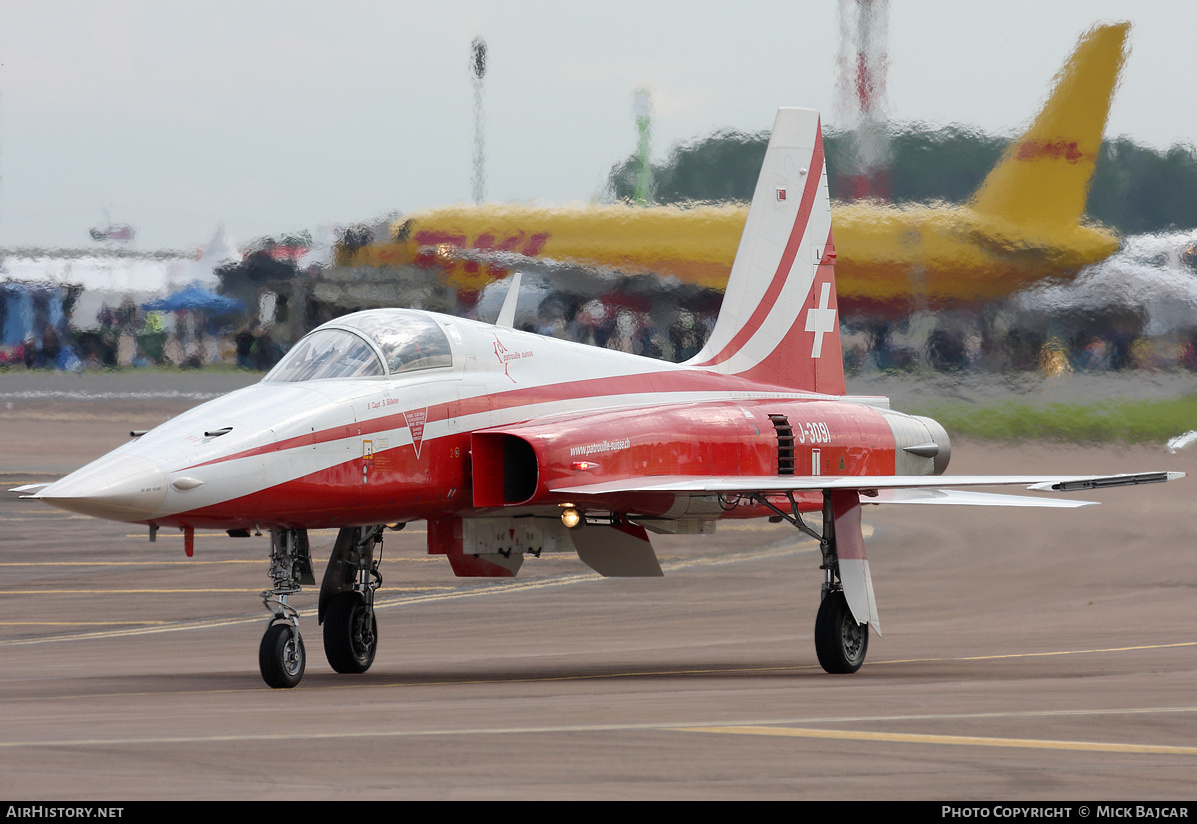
[1126, 421]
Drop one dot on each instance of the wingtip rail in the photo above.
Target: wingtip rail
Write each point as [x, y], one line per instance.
[1132, 479]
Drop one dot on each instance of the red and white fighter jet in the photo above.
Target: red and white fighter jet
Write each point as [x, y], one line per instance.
[511, 444]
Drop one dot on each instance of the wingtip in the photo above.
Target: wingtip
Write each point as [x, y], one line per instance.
[28, 490]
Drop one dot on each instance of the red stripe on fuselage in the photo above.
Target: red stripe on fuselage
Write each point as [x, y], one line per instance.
[688, 380]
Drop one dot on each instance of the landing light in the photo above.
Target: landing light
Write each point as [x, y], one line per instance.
[571, 517]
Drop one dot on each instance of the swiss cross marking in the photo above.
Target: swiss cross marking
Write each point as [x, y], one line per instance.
[820, 320]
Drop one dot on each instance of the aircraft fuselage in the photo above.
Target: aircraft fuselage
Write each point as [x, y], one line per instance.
[356, 451]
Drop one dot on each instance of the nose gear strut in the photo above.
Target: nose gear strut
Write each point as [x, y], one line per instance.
[281, 655]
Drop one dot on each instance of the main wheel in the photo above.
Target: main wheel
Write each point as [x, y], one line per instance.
[840, 642]
[281, 657]
[350, 633]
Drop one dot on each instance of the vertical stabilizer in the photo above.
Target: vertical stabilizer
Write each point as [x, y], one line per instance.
[1044, 176]
[779, 322]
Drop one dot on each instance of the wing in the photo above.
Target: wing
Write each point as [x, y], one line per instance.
[888, 489]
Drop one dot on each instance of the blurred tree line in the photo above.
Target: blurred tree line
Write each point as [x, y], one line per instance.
[1135, 189]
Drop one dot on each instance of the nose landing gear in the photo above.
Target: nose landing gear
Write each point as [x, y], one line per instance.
[281, 655]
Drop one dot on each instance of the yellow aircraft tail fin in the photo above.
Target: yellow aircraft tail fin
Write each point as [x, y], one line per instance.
[1043, 178]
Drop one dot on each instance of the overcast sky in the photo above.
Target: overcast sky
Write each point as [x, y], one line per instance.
[176, 116]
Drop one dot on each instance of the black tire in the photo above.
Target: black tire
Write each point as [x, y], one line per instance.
[350, 634]
[281, 657]
[840, 642]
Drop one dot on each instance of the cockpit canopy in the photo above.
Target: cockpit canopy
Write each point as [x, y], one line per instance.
[374, 343]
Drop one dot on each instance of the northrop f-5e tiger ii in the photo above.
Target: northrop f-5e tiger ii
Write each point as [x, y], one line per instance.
[510, 444]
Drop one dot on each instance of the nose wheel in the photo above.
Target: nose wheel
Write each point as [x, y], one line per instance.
[281, 656]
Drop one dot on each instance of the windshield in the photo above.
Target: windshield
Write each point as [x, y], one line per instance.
[409, 341]
[327, 353]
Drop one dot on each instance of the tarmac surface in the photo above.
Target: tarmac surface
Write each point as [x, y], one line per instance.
[1027, 654]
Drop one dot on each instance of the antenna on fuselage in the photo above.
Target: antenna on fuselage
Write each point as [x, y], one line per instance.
[507, 312]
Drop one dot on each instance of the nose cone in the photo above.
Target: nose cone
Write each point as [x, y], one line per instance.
[116, 487]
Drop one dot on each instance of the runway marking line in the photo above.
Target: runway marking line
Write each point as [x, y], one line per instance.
[189, 562]
[9, 519]
[743, 729]
[951, 740]
[164, 561]
[998, 657]
[162, 591]
[136, 622]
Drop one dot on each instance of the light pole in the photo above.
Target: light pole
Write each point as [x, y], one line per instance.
[478, 70]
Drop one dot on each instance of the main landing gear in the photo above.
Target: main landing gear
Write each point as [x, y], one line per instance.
[841, 642]
[347, 600]
[346, 606]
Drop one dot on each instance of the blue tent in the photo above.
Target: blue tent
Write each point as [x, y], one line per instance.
[25, 308]
[196, 297]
